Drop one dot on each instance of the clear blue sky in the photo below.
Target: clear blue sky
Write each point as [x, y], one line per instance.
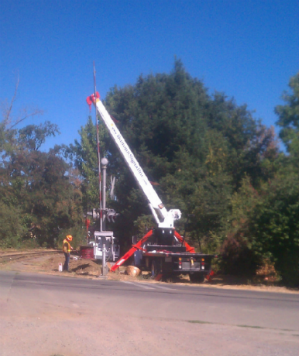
[247, 49]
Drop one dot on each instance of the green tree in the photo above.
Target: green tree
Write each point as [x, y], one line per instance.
[196, 148]
[40, 194]
[274, 225]
[38, 186]
[289, 116]
[85, 153]
[239, 255]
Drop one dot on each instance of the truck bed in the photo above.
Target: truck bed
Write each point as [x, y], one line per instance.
[177, 261]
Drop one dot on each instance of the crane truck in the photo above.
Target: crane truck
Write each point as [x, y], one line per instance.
[163, 251]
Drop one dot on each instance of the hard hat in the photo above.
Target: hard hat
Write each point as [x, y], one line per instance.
[69, 237]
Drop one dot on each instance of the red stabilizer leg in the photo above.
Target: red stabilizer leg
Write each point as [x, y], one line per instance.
[188, 247]
[210, 276]
[131, 251]
[159, 277]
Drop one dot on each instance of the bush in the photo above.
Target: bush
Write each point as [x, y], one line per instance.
[237, 258]
[11, 228]
[288, 267]
[274, 226]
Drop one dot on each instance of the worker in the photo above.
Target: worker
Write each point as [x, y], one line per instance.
[66, 247]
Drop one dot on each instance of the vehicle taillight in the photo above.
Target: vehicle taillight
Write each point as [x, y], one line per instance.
[180, 262]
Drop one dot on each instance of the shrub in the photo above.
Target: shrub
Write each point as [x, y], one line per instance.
[237, 258]
[11, 228]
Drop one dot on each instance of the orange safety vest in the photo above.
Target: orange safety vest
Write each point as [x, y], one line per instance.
[66, 246]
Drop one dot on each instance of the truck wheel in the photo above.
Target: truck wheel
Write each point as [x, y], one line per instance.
[196, 277]
[168, 278]
[156, 268]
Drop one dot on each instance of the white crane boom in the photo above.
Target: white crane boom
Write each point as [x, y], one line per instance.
[163, 217]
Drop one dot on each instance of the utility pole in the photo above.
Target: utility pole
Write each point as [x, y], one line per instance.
[104, 162]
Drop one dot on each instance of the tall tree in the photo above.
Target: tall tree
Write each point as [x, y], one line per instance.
[85, 153]
[36, 187]
[195, 147]
[289, 116]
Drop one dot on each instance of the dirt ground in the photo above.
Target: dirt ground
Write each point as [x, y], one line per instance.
[41, 261]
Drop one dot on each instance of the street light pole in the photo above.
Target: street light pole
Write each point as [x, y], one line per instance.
[104, 162]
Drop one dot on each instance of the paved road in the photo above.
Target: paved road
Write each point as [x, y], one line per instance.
[49, 315]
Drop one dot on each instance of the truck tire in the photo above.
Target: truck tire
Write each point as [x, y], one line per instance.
[156, 267]
[196, 277]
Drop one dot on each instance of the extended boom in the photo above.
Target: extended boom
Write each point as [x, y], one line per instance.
[163, 217]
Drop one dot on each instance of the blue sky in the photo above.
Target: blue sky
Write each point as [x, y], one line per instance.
[246, 49]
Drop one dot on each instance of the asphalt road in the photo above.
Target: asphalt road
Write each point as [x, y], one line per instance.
[48, 315]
